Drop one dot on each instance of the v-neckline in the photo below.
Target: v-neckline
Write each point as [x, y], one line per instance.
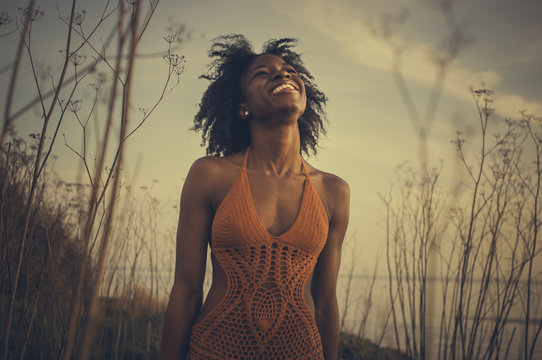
[253, 206]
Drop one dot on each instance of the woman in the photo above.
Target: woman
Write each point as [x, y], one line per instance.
[275, 224]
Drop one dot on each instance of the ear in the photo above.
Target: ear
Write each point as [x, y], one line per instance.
[244, 112]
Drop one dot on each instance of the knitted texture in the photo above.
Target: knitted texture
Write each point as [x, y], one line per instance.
[263, 314]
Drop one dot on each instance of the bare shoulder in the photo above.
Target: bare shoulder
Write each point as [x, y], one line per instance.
[200, 176]
[209, 168]
[336, 185]
[334, 191]
[205, 166]
[330, 183]
[212, 176]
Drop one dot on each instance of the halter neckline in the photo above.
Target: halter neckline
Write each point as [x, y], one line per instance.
[245, 162]
[252, 206]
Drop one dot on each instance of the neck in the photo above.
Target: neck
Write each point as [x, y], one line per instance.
[275, 149]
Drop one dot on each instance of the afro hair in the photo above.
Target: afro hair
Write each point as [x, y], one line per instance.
[218, 117]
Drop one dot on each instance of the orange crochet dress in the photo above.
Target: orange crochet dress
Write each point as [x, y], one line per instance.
[263, 314]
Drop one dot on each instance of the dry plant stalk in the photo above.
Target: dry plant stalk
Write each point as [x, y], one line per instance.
[487, 245]
[486, 258]
[422, 119]
[93, 223]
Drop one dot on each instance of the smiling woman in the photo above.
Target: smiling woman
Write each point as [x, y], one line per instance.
[224, 130]
[275, 224]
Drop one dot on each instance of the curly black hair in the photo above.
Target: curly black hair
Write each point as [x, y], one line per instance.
[218, 117]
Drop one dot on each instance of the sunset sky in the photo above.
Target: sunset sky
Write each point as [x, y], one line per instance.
[369, 131]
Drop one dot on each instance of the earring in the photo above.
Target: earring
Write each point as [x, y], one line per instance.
[245, 113]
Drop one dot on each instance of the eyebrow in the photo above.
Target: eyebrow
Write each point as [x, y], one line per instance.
[264, 65]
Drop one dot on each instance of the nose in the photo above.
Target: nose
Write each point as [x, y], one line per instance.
[281, 74]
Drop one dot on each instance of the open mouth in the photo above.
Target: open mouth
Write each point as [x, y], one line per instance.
[283, 88]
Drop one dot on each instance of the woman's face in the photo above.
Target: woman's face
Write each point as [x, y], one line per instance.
[272, 87]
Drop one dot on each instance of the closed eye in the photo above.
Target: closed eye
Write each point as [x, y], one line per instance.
[259, 73]
[291, 70]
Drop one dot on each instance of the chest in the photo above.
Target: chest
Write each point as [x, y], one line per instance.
[258, 209]
[277, 201]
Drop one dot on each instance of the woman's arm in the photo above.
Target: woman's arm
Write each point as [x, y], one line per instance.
[324, 281]
[193, 233]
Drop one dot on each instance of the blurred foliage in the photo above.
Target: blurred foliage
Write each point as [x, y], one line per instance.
[52, 258]
[129, 326]
[352, 347]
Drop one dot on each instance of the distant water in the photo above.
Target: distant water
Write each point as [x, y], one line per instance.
[379, 311]
[381, 308]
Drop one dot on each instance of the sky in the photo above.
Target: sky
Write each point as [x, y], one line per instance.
[369, 131]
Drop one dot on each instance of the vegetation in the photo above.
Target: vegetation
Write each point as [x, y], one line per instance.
[129, 317]
[485, 237]
[71, 286]
[465, 257]
[52, 256]
[60, 252]
[352, 347]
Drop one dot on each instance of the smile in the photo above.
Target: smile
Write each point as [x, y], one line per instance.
[285, 87]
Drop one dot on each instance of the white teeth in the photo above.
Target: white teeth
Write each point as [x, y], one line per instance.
[282, 87]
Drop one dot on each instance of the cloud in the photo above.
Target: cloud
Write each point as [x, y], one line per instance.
[344, 23]
[510, 105]
[531, 55]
